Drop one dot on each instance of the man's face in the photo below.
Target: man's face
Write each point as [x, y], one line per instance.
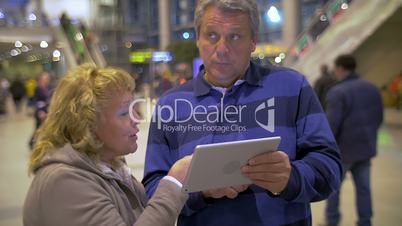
[225, 43]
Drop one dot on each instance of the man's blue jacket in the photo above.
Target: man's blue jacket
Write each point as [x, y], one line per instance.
[271, 101]
[355, 113]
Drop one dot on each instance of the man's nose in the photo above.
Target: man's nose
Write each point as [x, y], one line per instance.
[222, 47]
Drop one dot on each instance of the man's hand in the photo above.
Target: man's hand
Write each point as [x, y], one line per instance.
[230, 192]
[270, 170]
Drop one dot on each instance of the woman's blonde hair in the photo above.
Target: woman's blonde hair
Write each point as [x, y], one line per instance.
[74, 110]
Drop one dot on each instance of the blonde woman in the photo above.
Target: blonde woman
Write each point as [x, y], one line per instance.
[80, 178]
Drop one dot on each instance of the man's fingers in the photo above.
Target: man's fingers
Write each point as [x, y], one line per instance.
[272, 168]
[268, 157]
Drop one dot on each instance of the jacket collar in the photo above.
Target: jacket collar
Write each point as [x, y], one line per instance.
[252, 77]
[349, 77]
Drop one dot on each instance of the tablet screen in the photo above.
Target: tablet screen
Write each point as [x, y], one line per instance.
[218, 165]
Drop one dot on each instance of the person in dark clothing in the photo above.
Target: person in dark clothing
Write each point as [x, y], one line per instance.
[324, 84]
[355, 113]
[17, 89]
[3, 96]
[41, 100]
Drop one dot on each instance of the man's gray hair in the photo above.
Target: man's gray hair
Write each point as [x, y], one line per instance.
[248, 6]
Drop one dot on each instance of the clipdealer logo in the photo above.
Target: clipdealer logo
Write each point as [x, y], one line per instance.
[202, 117]
[269, 106]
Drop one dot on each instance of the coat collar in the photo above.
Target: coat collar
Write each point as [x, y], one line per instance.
[349, 77]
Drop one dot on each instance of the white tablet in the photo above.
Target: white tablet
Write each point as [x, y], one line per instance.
[218, 165]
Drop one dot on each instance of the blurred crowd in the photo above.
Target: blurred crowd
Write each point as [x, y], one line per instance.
[32, 95]
[35, 93]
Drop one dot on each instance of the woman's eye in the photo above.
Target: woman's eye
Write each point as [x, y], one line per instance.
[124, 113]
[212, 35]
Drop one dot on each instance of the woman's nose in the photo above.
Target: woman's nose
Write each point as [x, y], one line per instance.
[135, 118]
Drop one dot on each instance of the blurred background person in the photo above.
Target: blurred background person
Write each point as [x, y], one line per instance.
[324, 84]
[396, 90]
[4, 85]
[163, 79]
[17, 90]
[30, 86]
[355, 113]
[41, 100]
[80, 176]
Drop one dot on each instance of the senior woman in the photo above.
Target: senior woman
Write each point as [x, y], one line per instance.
[80, 178]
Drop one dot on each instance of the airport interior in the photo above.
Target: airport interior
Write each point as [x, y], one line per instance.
[155, 41]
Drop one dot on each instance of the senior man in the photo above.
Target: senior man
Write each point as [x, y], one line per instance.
[252, 102]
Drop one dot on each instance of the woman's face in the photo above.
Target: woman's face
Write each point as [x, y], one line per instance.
[116, 129]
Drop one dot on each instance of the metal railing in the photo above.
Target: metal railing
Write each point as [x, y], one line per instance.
[326, 16]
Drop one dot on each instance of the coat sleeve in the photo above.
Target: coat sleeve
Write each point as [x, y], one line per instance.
[160, 158]
[164, 207]
[74, 199]
[316, 170]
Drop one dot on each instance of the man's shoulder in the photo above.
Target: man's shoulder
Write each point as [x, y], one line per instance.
[179, 91]
[354, 84]
[274, 69]
[282, 75]
[186, 87]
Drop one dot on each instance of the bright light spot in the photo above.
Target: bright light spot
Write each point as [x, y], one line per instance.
[78, 36]
[43, 44]
[14, 52]
[344, 6]
[128, 45]
[278, 60]
[159, 56]
[273, 14]
[186, 35]
[18, 44]
[323, 18]
[2, 15]
[282, 55]
[261, 56]
[56, 53]
[32, 16]
[24, 48]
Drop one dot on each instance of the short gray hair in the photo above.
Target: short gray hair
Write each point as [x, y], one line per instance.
[247, 6]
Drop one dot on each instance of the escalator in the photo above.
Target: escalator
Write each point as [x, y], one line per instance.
[73, 45]
[368, 29]
[82, 42]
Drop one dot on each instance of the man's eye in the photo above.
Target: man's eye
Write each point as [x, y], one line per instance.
[235, 37]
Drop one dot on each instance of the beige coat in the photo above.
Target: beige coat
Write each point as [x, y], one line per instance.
[70, 190]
